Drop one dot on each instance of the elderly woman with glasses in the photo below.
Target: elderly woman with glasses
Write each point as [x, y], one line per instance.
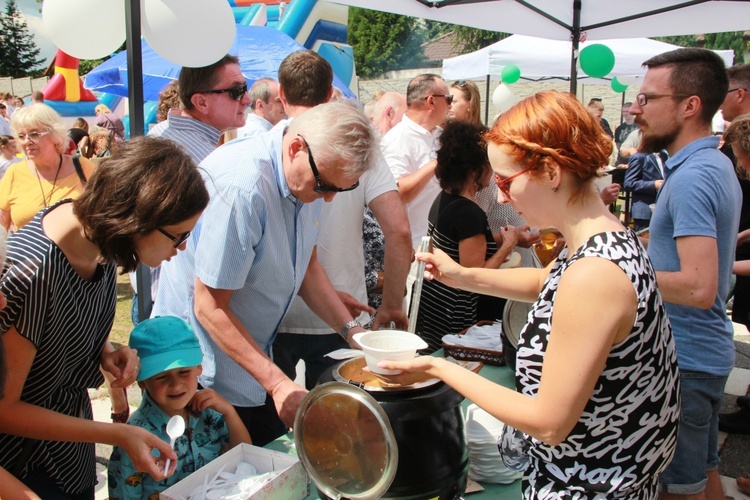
[60, 283]
[46, 175]
[597, 407]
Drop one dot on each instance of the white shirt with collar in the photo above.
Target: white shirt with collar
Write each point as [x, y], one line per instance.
[407, 147]
[254, 125]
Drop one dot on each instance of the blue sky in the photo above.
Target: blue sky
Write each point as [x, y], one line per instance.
[31, 9]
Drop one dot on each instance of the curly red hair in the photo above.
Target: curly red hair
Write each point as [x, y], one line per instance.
[552, 127]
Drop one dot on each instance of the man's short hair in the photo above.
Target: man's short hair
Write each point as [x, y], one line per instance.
[340, 134]
[260, 90]
[698, 72]
[739, 74]
[194, 80]
[420, 87]
[306, 78]
[627, 104]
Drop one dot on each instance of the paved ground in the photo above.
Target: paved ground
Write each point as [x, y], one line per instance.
[735, 448]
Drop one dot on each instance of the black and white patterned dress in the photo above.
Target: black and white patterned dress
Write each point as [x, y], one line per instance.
[68, 320]
[627, 432]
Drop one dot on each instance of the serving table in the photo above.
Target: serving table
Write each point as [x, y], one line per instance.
[499, 374]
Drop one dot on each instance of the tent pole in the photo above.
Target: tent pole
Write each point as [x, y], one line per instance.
[575, 38]
[487, 104]
[135, 108]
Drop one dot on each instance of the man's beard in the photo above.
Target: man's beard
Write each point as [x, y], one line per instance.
[651, 143]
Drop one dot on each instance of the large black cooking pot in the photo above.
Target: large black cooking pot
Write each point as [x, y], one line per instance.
[428, 427]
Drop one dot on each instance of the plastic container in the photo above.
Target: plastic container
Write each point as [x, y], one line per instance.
[391, 345]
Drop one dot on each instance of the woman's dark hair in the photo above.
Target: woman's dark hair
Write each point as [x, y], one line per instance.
[146, 184]
[462, 157]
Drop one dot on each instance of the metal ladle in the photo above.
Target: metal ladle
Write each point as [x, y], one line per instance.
[424, 246]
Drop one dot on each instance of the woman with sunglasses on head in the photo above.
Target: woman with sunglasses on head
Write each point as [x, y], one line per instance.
[466, 102]
[459, 227]
[60, 283]
[47, 175]
[597, 408]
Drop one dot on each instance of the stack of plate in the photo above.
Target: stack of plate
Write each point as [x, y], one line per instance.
[485, 464]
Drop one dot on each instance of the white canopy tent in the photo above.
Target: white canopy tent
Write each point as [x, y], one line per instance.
[572, 20]
[542, 59]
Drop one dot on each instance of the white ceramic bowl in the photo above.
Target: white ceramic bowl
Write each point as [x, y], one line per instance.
[391, 345]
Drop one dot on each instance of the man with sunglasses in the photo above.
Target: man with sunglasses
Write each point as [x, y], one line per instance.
[410, 148]
[303, 335]
[213, 100]
[253, 250]
[693, 234]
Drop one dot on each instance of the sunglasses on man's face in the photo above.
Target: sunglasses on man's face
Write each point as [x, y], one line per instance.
[235, 93]
[320, 186]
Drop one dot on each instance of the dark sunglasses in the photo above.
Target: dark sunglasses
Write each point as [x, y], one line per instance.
[320, 187]
[448, 97]
[177, 240]
[236, 93]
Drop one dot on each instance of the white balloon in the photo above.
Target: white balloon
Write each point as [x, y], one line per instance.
[192, 33]
[86, 29]
[503, 98]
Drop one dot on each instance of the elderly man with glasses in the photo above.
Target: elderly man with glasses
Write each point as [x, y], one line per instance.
[253, 251]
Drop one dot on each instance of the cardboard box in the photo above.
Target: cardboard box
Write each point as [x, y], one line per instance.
[290, 484]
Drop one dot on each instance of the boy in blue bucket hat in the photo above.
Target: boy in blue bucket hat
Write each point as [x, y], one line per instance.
[171, 357]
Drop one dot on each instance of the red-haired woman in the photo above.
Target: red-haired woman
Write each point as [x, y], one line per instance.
[597, 408]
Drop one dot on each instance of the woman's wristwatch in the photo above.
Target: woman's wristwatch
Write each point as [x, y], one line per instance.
[347, 327]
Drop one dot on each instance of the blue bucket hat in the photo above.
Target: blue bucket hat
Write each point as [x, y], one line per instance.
[164, 343]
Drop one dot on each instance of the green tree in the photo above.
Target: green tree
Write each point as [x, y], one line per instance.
[384, 42]
[18, 52]
[714, 41]
[468, 39]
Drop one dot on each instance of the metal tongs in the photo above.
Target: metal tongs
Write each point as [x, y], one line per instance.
[424, 246]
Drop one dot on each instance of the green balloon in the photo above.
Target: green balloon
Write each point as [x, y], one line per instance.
[510, 74]
[617, 86]
[597, 60]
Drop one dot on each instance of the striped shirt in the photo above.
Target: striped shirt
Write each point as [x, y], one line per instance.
[254, 238]
[198, 139]
[68, 320]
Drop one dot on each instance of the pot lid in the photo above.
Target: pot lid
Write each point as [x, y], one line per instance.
[345, 442]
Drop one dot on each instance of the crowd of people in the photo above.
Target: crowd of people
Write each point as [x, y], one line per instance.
[280, 244]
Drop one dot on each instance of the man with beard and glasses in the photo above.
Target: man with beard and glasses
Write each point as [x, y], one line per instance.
[693, 235]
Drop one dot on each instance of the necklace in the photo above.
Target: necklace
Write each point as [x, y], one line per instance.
[54, 182]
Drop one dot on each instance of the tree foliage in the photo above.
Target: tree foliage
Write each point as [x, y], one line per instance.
[468, 39]
[19, 55]
[714, 41]
[384, 41]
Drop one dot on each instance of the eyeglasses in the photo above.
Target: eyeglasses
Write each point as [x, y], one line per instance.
[235, 93]
[448, 97]
[504, 184]
[642, 99]
[320, 187]
[177, 240]
[735, 90]
[32, 136]
[461, 83]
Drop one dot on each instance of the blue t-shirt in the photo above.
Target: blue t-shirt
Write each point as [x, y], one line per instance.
[700, 197]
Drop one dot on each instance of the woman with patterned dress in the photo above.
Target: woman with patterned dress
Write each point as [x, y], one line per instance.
[596, 409]
[459, 227]
[60, 282]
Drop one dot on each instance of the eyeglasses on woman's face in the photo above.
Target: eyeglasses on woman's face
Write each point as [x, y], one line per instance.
[177, 240]
[504, 184]
[32, 136]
